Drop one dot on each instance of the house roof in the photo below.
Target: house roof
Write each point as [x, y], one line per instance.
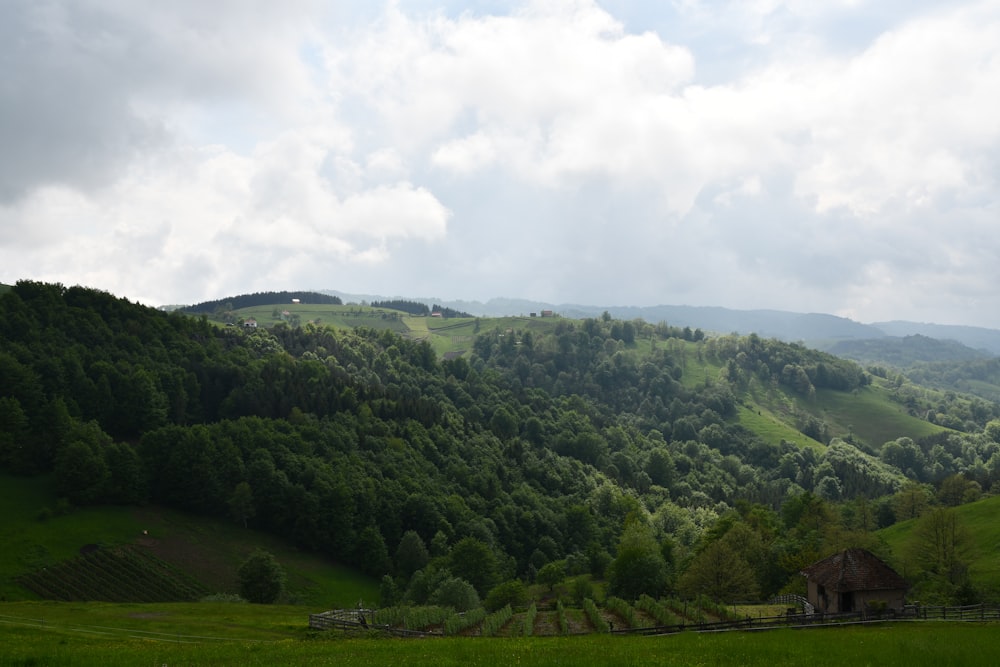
[854, 570]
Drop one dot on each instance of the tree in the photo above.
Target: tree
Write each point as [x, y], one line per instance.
[456, 593]
[80, 468]
[241, 503]
[941, 543]
[639, 566]
[262, 579]
[473, 560]
[720, 573]
[388, 592]
[511, 593]
[956, 490]
[911, 501]
[14, 431]
[551, 574]
[411, 554]
[371, 553]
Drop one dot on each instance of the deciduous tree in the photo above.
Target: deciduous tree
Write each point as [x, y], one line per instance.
[262, 579]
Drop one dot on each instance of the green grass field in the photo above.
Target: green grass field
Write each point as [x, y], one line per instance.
[980, 520]
[870, 414]
[773, 430]
[37, 633]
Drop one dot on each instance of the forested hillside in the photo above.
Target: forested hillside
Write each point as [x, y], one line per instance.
[568, 447]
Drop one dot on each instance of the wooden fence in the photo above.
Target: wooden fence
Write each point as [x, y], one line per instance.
[979, 612]
[359, 620]
[975, 612]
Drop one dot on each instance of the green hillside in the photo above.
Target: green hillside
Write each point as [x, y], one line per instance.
[38, 531]
[979, 520]
[452, 458]
[869, 415]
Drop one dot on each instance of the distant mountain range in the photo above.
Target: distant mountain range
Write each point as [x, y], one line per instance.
[817, 330]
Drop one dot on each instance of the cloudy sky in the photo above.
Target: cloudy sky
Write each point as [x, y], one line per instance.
[839, 156]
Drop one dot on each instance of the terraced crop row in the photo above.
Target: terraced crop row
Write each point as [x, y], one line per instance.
[120, 574]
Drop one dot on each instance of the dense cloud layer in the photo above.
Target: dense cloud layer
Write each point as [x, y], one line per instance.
[833, 157]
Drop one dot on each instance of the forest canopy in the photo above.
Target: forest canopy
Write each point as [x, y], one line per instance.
[535, 448]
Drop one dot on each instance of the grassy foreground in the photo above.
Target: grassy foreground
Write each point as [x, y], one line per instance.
[45, 633]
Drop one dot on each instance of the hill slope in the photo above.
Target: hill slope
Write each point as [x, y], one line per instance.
[471, 436]
[38, 531]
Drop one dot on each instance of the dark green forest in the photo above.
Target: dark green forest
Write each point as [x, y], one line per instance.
[418, 308]
[579, 450]
[262, 299]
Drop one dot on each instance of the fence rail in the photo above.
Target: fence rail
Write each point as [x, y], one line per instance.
[979, 612]
[796, 600]
[974, 612]
[358, 620]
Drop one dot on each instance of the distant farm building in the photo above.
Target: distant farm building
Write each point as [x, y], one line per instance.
[547, 313]
[296, 301]
[250, 324]
[853, 580]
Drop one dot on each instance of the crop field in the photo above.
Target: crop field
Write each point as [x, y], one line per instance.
[42, 543]
[121, 574]
[224, 634]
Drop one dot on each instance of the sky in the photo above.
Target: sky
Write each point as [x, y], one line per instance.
[837, 156]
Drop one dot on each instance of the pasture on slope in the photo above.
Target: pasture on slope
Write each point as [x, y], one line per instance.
[983, 530]
[35, 536]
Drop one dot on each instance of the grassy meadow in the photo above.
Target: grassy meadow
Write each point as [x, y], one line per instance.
[983, 531]
[43, 633]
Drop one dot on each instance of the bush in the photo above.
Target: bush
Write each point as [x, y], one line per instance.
[262, 579]
[510, 593]
[582, 589]
[456, 593]
[594, 615]
[494, 622]
[455, 623]
[659, 612]
[622, 610]
[529, 620]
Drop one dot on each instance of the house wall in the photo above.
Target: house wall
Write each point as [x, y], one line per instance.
[825, 603]
[892, 599]
[828, 601]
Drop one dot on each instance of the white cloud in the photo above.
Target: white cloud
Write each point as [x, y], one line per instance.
[836, 156]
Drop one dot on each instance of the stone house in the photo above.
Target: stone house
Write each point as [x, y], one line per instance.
[854, 580]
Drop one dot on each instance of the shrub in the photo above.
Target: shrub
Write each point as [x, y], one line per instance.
[660, 613]
[529, 620]
[495, 621]
[455, 623]
[594, 615]
[455, 593]
[510, 593]
[622, 610]
[262, 579]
